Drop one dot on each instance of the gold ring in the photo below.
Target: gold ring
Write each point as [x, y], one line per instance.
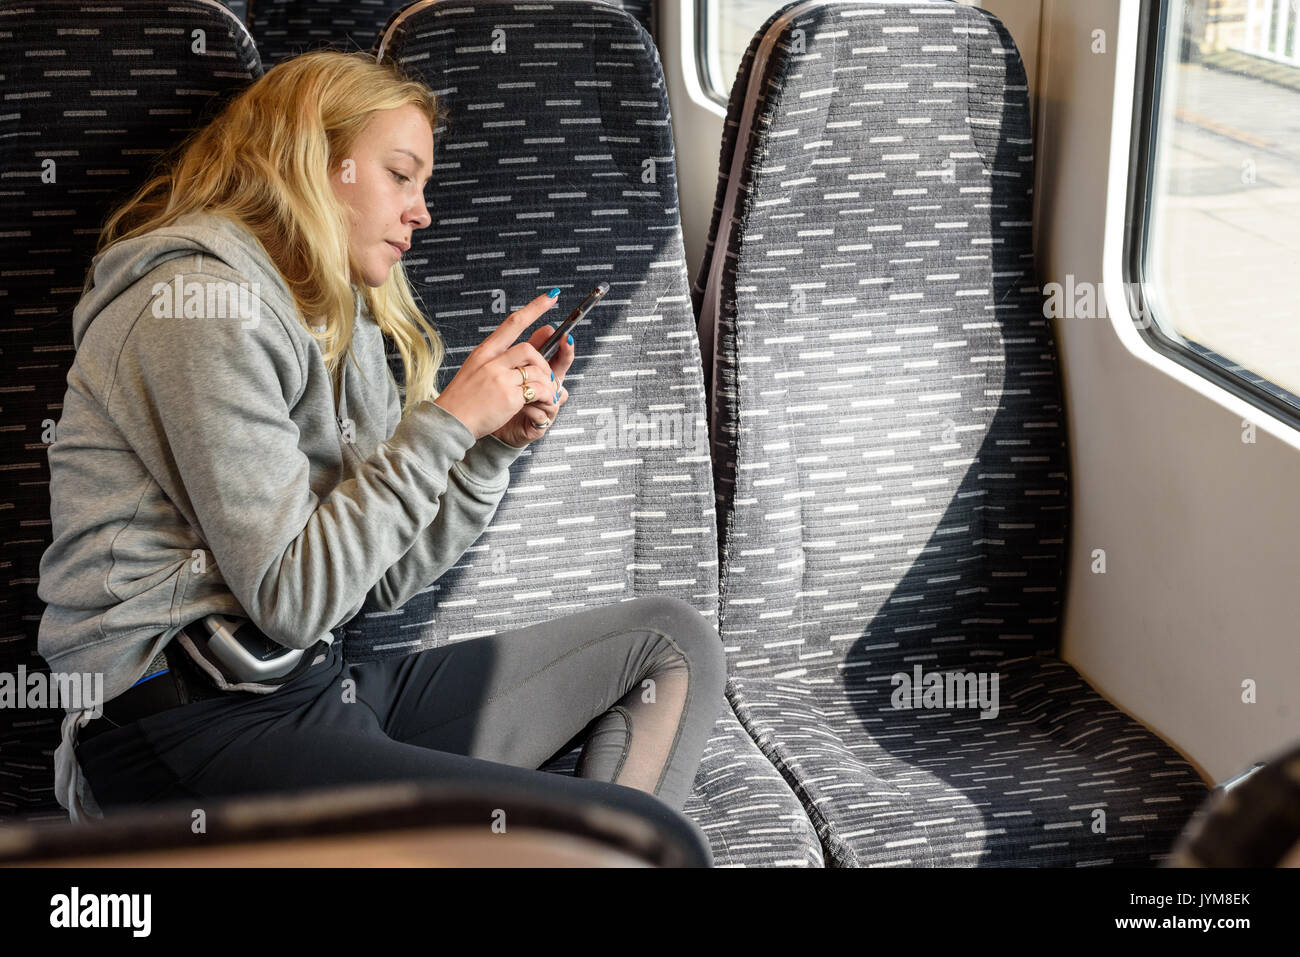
[529, 393]
[523, 372]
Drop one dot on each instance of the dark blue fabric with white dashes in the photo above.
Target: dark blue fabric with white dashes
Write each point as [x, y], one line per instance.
[93, 94]
[890, 456]
[285, 28]
[556, 168]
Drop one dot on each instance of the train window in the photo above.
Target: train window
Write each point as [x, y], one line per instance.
[1217, 240]
[725, 28]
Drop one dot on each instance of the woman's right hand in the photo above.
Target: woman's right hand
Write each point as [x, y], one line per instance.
[487, 391]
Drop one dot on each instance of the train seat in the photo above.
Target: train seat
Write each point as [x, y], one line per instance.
[889, 445]
[550, 171]
[88, 111]
[285, 28]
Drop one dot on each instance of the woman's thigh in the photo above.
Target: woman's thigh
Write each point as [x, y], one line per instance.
[289, 754]
[517, 696]
[291, 758]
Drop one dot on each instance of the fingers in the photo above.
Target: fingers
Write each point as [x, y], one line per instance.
[550, 405]
[522, 352]
[503, 335]
[562, 358]
[540, 374]
[539, 380]
[527, 352]
[542, 413]
[538, 339]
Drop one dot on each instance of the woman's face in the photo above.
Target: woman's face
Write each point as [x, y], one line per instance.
[383, 186]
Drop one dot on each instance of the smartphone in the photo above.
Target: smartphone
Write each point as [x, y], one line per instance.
[575, 317]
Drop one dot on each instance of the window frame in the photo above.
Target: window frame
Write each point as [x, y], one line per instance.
[721, 97]
[1142, 295]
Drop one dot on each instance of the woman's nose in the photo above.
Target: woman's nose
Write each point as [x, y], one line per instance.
[419, 214]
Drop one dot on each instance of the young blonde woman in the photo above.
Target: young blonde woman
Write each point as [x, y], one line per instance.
[233, 444]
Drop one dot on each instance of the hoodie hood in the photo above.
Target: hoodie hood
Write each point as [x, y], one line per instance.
[116, 269]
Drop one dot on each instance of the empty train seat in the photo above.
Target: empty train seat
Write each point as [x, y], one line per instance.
[890, 457]
[93, 96]
[285, 28]
[552, 172]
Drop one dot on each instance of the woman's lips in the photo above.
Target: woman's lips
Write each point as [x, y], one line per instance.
[395, 248]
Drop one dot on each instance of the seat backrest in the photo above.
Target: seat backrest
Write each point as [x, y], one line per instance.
[888, 432]
[285, 28]
[556, 168]
[644, 11]
[93, 95]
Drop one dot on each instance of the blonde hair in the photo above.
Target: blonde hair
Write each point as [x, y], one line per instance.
[264, 162]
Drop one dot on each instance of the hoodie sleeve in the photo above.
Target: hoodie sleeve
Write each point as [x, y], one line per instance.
[475, 486]
[206, 405]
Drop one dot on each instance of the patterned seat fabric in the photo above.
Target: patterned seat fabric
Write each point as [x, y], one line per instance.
[642, 10]
[285, 28]
[552, 172]
[890, 456]
[238, 7]
[93, 96]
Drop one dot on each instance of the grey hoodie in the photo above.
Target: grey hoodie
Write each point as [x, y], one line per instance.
[201, 466]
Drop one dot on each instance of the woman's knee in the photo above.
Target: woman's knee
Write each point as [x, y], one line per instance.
[690, 631]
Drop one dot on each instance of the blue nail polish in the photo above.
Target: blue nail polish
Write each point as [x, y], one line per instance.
[552, 376]
[570, 338]
[557, 397]
[554, 293]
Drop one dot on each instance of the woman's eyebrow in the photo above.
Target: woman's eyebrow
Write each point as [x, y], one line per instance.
[419, 163]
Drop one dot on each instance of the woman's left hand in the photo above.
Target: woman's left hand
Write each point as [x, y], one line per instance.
[536, 418]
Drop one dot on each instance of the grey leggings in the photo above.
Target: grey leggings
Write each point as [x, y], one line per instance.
[640, 681]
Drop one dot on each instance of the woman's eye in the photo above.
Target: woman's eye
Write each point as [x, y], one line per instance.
[400, 178]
